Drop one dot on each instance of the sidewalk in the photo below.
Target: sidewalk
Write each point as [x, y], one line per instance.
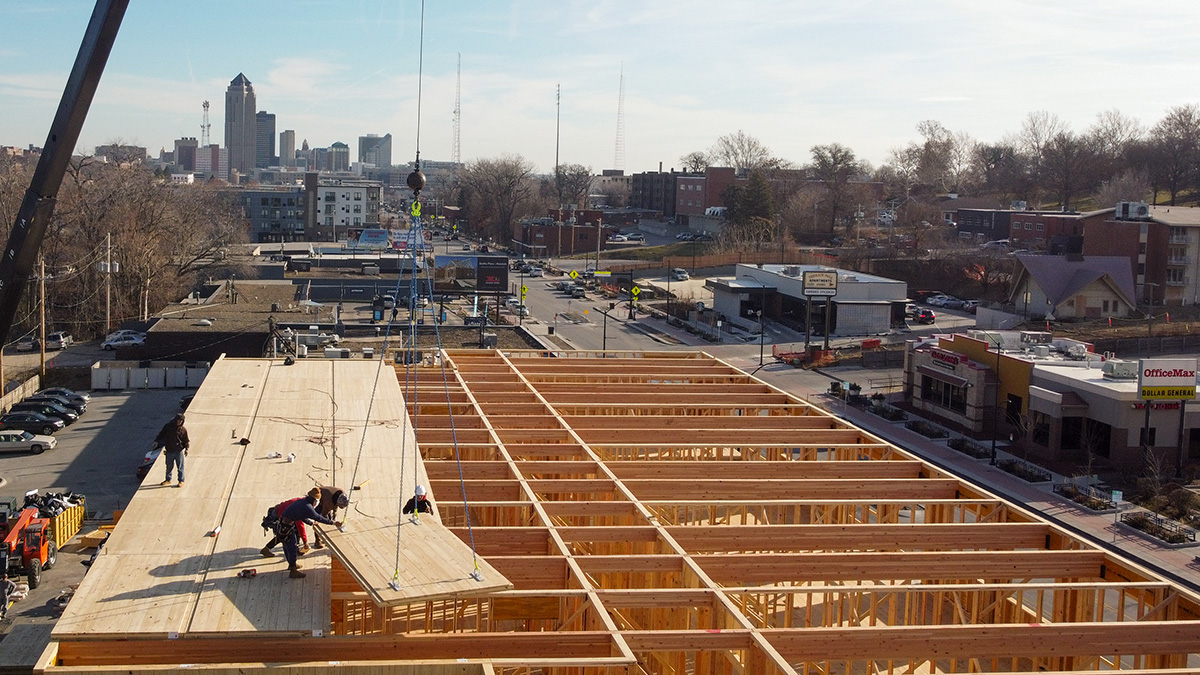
[1176, 563]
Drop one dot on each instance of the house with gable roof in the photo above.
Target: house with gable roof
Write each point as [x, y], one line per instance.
[1073, 286]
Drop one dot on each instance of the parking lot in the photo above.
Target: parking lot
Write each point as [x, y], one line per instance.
[98, 457]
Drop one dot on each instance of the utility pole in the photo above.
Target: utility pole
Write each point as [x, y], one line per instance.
[108, 281]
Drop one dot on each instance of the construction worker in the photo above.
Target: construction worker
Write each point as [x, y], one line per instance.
[419, 503]
[297, 512]
[173, 438]
[332, 499]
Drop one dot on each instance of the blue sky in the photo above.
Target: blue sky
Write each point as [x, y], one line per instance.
[792, 74]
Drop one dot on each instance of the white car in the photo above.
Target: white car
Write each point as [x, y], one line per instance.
[618, 238]
[15, 440]
[58, 340]
[123, 332]
[123, 341]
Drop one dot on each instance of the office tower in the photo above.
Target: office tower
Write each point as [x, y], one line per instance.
[339, 157]
[287, 148]
[240, 124]
[212, 161]
[264, 130]
[375, 149]
[185, 153]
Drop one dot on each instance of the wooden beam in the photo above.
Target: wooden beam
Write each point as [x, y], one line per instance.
[1002, 641]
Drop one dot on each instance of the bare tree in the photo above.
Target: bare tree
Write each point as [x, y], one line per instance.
[1176, 140]
[1112, 132]
[574, 184]
[1132, 184]
[494, 191]
[1068, 161]
[694, 162]
[743, 151]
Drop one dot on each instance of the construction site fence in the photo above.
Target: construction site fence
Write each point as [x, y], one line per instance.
[23, 390]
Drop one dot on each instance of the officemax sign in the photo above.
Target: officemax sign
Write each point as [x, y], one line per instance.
[1160, 379]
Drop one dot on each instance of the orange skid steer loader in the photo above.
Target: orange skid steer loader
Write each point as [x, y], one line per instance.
[29, 547]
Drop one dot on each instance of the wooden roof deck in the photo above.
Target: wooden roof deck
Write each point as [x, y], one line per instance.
[657, 513]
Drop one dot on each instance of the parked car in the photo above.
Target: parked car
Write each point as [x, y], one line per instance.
[520, 310]
[618, 238]
[28, 343]
[466, 247]
[69, 394]
[77, 408]
[679, 274]
[59, 340]
[578, 292]
[921, 296]
[953, 303]
[971, 306]
[123, 341]
[636, 236]
[124, 332]
[48, 409]
[926, 316]
[147, 462]
[939, 300]
[32, 422]
[17, 440]
[685, 236]
[536, 272]
[911, 310]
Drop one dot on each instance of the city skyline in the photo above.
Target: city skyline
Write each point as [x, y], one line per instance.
[792, 74]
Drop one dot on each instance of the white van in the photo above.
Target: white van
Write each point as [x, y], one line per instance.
[679, 274]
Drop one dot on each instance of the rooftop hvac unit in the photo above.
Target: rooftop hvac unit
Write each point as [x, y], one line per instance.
[1120, 370]
[337, 353]
[1132, 211]
[1036, 337]
[792, 270]
[1041, 351]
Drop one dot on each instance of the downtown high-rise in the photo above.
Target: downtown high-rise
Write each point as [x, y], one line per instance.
[241, 131]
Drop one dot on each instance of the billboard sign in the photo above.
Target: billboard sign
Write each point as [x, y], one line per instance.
[820, 284]
[1172, 379]
[470, 273]
[371, 239]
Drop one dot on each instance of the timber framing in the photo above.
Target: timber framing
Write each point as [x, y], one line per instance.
[647, 513]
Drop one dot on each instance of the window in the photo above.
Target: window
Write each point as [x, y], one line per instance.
[1142, 248]
[1141, 269]
[1029, 226]
[330, 196]
[328, 209]
[263, 202]
[358, 208]
[943, 394]
[1104, 306]
[1041, 227]
[358, 221]
[358, 196]
[328, 222]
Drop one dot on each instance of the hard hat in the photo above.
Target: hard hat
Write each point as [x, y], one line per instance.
[420, 490]
[343, 500]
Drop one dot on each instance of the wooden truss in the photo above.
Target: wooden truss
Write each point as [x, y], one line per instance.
[666, 513]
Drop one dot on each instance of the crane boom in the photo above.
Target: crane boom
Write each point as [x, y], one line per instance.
[38, 205]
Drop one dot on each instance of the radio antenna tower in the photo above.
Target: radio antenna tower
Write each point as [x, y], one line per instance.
[456, 151]
[619, 155]
[204, 127]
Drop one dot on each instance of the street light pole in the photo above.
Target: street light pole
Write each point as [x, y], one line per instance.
[996, 406]
[604, 343]
[762, 338]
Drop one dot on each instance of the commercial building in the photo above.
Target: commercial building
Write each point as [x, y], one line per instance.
[654, 190]
[863, 304]
[338, 157]
[264, 138]
[376, 150]
[287, 148]
[1054, 395]
[212, 161]
[185, 153]
[241, 125]
[345, 204]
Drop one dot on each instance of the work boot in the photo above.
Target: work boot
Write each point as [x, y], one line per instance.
[180, 484]
[318, 545]
[295, 573]
[266, 552]
[166, 483]
[304, 549]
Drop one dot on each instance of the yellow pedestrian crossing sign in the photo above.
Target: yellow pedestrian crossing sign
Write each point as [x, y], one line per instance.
[574, 274]
[635, 291]
[524, 290]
